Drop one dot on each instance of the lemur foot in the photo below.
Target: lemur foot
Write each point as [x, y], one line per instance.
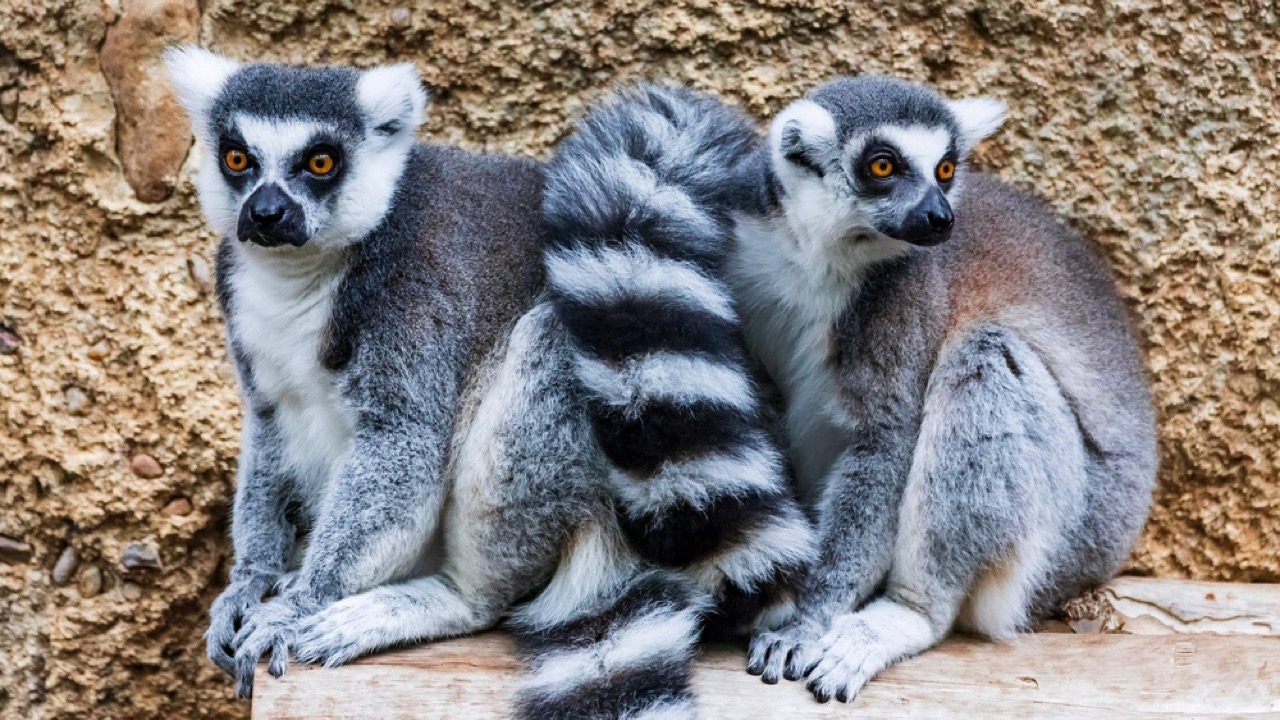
[785, 651]
[229, 613]
[270, 629]
[342, 632]
[847, 657]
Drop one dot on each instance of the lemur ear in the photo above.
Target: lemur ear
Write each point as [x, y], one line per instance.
[197, 76]
[804, 134]
[393, 98]
[977, 117]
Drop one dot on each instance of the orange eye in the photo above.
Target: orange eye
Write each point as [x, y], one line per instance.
[946, 170]
[320, 164]
[881, 167]
[235, 160]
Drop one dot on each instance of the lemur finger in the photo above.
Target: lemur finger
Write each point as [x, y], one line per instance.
[244, 675]
[796, 662]
[773, 665]
[220, 654]
[758, 653]
[279, 658]
[820, 692]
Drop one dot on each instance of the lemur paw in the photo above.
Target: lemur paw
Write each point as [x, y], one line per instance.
[341, 632]
[227, 616]
[785, 651]
[271, 629]
[848, 656]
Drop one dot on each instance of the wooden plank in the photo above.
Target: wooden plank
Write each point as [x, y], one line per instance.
[1185, 649]
[1149, 606]
[1034, 676]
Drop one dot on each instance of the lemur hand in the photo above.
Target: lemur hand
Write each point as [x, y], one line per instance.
[271, 629]
[230, 611]
[787, 651]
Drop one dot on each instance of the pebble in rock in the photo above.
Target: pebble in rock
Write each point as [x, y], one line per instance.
[199, 270]
[131, 591]
[65, 567]
[14, 551]
[401, 18]
[138, 556]
[178, 507]
[77, 400]
[9, 342]
[145, 466]
[90, 581]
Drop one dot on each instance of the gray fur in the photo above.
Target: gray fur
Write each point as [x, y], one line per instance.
[639, 234]
[416, 456]
[994, 433]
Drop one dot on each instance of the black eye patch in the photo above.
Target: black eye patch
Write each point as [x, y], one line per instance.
[320, 166]
[873, 157]
[232, 141]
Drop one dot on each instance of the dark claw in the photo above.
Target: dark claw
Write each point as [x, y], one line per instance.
[843, 695]
[789, 668]
[819, 694]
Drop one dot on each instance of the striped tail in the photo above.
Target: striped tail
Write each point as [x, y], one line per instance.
[639, 200]
[628, 657]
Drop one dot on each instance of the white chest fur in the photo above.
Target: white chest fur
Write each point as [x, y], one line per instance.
[790, 303]
[282, 305]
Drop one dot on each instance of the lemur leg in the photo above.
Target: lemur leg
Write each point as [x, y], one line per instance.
[857, 524]
[385, 500]
[998, 472]
[262, 535]
[523, 479]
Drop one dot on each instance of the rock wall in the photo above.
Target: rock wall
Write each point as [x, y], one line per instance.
[1153, 126]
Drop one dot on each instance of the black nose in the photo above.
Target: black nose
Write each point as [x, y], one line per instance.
[271, 218]
[940, 219]
[267, 206]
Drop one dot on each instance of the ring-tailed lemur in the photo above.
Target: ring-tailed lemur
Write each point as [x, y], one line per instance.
[965, 402]
[640, 231]
[416, 457]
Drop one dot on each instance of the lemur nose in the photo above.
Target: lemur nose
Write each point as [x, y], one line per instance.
[267, 206]
[941, 219]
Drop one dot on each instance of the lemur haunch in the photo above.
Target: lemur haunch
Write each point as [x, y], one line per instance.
[416, 456]
[965, 403]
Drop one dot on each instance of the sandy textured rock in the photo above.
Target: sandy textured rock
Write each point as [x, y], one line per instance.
[1151, 126]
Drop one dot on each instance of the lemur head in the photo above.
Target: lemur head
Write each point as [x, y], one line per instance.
[875, 160]
[297, 156]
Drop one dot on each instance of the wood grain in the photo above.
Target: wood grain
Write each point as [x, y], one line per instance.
[1046, 675]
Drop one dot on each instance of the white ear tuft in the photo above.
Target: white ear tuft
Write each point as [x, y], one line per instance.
[977, 117]
[393, 98]
[197, 76]
[805, 132]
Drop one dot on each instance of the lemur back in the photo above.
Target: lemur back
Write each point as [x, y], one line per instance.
[967, 410]
[416, 458]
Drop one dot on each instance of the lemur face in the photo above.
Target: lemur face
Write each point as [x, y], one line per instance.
[877, 160]
[297, 157]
